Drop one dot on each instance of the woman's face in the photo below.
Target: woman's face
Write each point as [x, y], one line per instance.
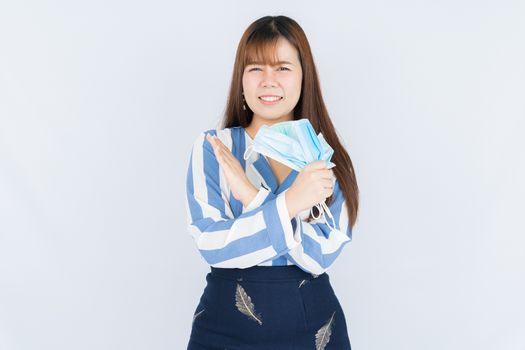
[282, 81]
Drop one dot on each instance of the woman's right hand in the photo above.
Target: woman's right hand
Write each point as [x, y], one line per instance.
[312, 185]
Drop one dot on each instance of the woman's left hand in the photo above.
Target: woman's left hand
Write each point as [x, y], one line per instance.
[242, 189]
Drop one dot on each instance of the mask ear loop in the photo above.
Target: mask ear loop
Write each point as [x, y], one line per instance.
[248, 150]
[327, 211]
[319, 209]
[323, 209]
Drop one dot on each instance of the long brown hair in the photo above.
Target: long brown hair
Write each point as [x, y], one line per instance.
[259, 41]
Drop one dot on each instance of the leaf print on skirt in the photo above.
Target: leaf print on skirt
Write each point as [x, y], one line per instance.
[322, 337]
[244, 304]
[302, 282]
[197, 314]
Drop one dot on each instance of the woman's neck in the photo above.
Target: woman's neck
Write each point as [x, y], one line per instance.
[257, 122]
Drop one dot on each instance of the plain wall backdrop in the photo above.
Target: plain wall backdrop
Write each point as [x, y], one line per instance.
[100, 102]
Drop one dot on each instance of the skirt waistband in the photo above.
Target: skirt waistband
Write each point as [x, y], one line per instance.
[258, 273]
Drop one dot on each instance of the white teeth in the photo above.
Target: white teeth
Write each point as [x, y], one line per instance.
[270, 99]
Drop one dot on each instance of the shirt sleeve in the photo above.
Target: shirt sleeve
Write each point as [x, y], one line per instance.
[262, 232]
[261, 197]
[321, 244]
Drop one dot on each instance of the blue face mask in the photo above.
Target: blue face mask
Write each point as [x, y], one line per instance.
[295, 144]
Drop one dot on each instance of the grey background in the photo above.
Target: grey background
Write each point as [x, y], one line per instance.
[99, 104]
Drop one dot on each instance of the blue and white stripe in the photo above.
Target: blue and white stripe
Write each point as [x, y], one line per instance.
[229, 235]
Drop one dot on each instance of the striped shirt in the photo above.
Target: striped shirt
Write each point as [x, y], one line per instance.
[230, 235]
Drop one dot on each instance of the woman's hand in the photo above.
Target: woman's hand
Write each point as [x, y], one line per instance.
[242, 189]
[312, 185]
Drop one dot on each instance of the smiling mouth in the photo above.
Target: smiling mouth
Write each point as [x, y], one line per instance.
[270, 98]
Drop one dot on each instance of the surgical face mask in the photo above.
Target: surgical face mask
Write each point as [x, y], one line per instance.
[295, 144]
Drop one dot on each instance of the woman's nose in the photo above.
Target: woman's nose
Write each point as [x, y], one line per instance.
[269, 79]
[269, 84]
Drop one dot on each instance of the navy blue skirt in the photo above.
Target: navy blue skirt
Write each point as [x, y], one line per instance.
[270, 308]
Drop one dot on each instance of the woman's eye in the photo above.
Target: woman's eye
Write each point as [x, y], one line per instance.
[259, 68]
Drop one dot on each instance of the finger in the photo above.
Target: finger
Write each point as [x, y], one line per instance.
[222, 147]
[219, 149]
[223, 152]
[232, 162]
[211, 140]
[226, 156]
[325, 173]
[218, 155]
[318, 164]
[226, 153]
[327, 183]
[326, 192]
[218, 143]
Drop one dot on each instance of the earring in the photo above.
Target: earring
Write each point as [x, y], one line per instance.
[243, 105]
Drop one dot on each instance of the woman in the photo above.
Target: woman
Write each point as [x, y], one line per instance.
[250, 218]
